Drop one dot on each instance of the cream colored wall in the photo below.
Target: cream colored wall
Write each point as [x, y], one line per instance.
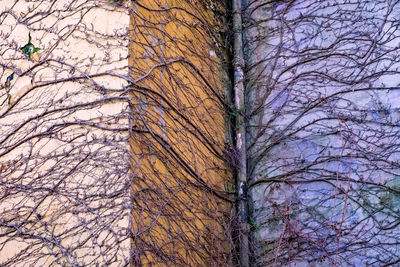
[82, 52]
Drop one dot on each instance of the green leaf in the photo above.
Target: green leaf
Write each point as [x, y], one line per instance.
[9, 79]
[228, 188]
[29, 49]
[9, 98]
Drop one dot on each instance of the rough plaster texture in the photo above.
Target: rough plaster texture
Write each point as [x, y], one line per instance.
[323, 143]
[90, 168]
[54, 184]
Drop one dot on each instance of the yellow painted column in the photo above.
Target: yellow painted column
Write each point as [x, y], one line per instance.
[180, 207]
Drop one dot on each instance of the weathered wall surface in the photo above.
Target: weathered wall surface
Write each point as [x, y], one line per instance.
[62, 173]
[322, 103]
[184, 209]
[112, 144]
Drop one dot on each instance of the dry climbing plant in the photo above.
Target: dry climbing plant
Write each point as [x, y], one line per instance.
[323, 131]
[112, 145]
